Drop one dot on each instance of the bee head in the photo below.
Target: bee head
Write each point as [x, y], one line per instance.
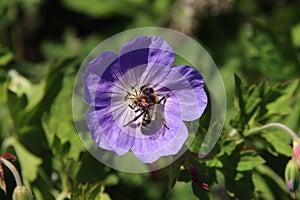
[147, 91]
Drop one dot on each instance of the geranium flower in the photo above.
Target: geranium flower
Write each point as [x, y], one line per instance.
[139, 101]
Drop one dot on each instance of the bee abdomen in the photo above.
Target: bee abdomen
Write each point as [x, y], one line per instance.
[145, 123]
[146, 120]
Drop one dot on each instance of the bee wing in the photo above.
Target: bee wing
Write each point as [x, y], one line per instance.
[159, 113]
[157, 120]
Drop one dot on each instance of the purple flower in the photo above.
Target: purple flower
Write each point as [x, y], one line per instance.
[139, 100]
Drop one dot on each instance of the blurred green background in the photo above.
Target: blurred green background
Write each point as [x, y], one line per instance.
[43, 42]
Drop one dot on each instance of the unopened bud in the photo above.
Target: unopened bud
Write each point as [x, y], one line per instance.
[22, 193]
[296, 153]
[194, 173]
[292, 175]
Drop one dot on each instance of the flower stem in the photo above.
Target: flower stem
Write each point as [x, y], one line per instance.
[13, 170]
[276, 125]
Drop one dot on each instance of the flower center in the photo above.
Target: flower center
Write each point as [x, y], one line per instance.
[142, 100]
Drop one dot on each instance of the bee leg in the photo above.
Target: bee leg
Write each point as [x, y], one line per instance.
[130, 106]
[136, 118]
[165, 125]
[137, 110]
[164, 99]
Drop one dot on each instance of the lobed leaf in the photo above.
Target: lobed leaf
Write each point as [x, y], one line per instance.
[249, 160]
[29, 162]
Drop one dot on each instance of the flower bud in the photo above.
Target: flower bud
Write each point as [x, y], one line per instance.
[194, 173]
[292, 175]
[296, 153]
[22, 193]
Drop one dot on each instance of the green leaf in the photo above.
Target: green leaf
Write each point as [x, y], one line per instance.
[173, 174]
[52, 84]
[240, 87]
[295, 33]
[90, 192]
[262, 103]
[279, 141]
[20, 86]
[85, 173]
[282, 104]
[105, 196]
[5, 56]
[16, 109]
[3, 86]
[198, 140]
[261, 188]
[184, 176]
[102, 8]
[60, 123]
[7, 126]
[111, 180]
[248, 161]
[269, 54]
[71, 46]
[214, 163]
[229, 146]
[248, 100]
[29, 162]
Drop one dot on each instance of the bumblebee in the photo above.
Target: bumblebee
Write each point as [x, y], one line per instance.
[146, 102]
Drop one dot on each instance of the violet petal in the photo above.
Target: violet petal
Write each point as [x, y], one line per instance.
[166, 141]
[106, 133]
[187, 85]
